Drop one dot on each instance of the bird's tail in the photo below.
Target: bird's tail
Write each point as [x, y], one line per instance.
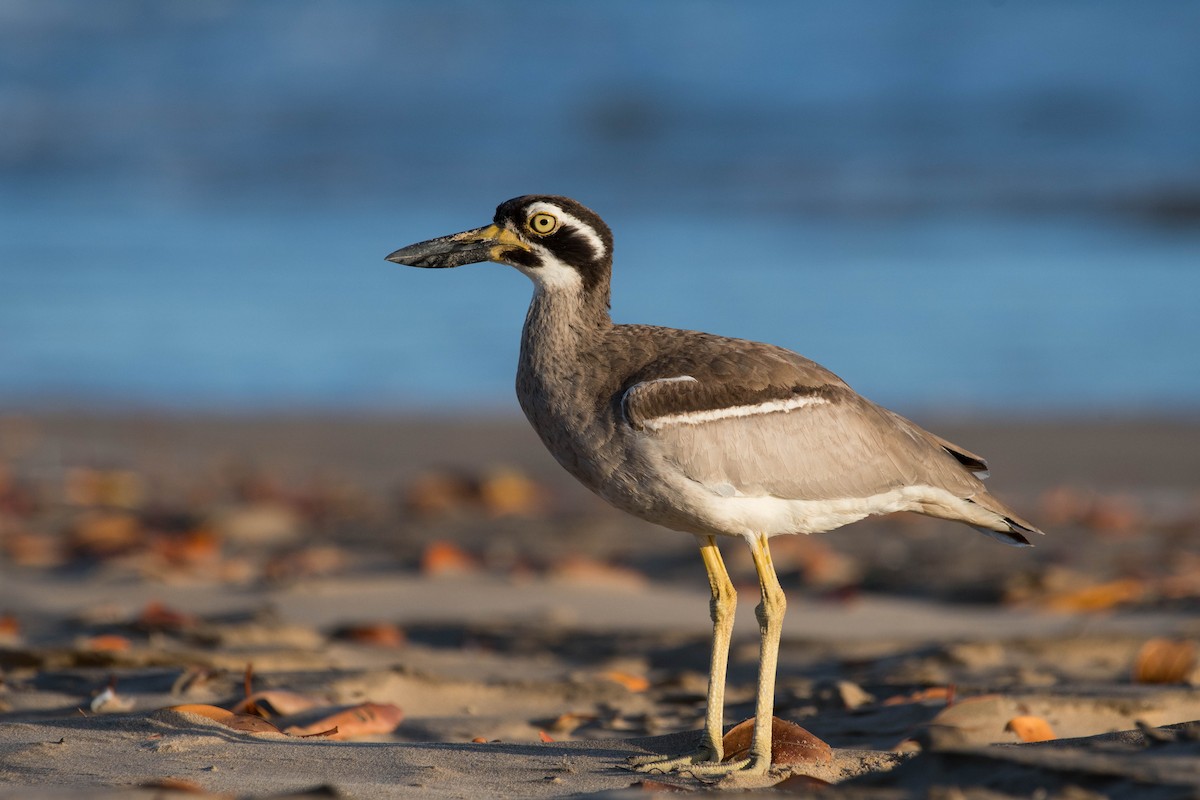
[985, 514]
[1000, 522]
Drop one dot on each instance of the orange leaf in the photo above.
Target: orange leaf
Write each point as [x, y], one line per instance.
[790, 744]
[379, 634]
[932, 693]
[1164, 661]
[508, 493]
[366, 719]
[446, 558]
[198, 546]
[239, 722]
[1100, 597]
[1030, 729]
[9, 627]
[634, 683]
[107, 643]
[545, 737]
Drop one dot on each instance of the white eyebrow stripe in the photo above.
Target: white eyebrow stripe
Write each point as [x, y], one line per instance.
[732, 412]
[564, 218]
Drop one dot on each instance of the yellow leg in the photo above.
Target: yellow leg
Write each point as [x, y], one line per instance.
[770, 627]
[721, 608]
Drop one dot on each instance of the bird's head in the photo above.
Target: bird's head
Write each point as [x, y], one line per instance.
[554, 240]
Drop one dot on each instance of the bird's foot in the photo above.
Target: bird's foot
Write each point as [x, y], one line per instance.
[702, 763]
[704, 755]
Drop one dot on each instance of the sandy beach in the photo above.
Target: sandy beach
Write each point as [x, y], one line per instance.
[374, 606]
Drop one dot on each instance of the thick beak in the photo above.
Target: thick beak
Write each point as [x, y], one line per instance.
[468, 247]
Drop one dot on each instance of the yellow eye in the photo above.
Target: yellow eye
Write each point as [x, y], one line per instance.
[542, 223]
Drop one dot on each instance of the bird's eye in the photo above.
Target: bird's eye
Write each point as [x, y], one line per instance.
[542, 223]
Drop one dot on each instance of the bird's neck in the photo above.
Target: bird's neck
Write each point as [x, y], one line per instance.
[562, 321]
[562, 328]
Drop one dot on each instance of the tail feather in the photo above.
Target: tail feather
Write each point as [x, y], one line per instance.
[1010, 529]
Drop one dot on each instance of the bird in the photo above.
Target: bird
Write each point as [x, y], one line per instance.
[713, 436]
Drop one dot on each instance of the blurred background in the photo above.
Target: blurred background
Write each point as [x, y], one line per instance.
[971, 207]
[984, 215]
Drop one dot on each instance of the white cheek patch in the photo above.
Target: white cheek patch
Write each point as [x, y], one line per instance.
[581, 227]
[552, 273]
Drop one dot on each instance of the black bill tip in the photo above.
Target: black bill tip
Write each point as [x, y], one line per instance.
[469, 247]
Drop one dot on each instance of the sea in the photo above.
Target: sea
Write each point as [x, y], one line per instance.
[976, 208]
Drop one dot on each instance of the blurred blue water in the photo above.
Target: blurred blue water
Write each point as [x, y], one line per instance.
[968, 206]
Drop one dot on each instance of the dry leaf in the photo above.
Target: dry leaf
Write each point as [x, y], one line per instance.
[106, 643]
[307, 562]
[10, 629]
[1164, 661]
[545, 737]
[439, 493]
[479, 740]
[506, 492]
[180, 785]
[1099, 597]
[842, 695]
[446, 558]
[238, 722]
[577, 569]
[157, 616]
[634, 683]
[104, 534]
[366, 719]
[1030, 729]
[378, 634]
[194, 547]
[790, 744]
[945, 693]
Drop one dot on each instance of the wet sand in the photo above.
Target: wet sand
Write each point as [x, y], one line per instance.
[495, 631]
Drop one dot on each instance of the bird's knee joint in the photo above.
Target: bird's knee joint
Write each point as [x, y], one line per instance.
[722, 606]
[771, 608]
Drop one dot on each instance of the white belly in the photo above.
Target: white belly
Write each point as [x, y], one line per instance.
[740, 515]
